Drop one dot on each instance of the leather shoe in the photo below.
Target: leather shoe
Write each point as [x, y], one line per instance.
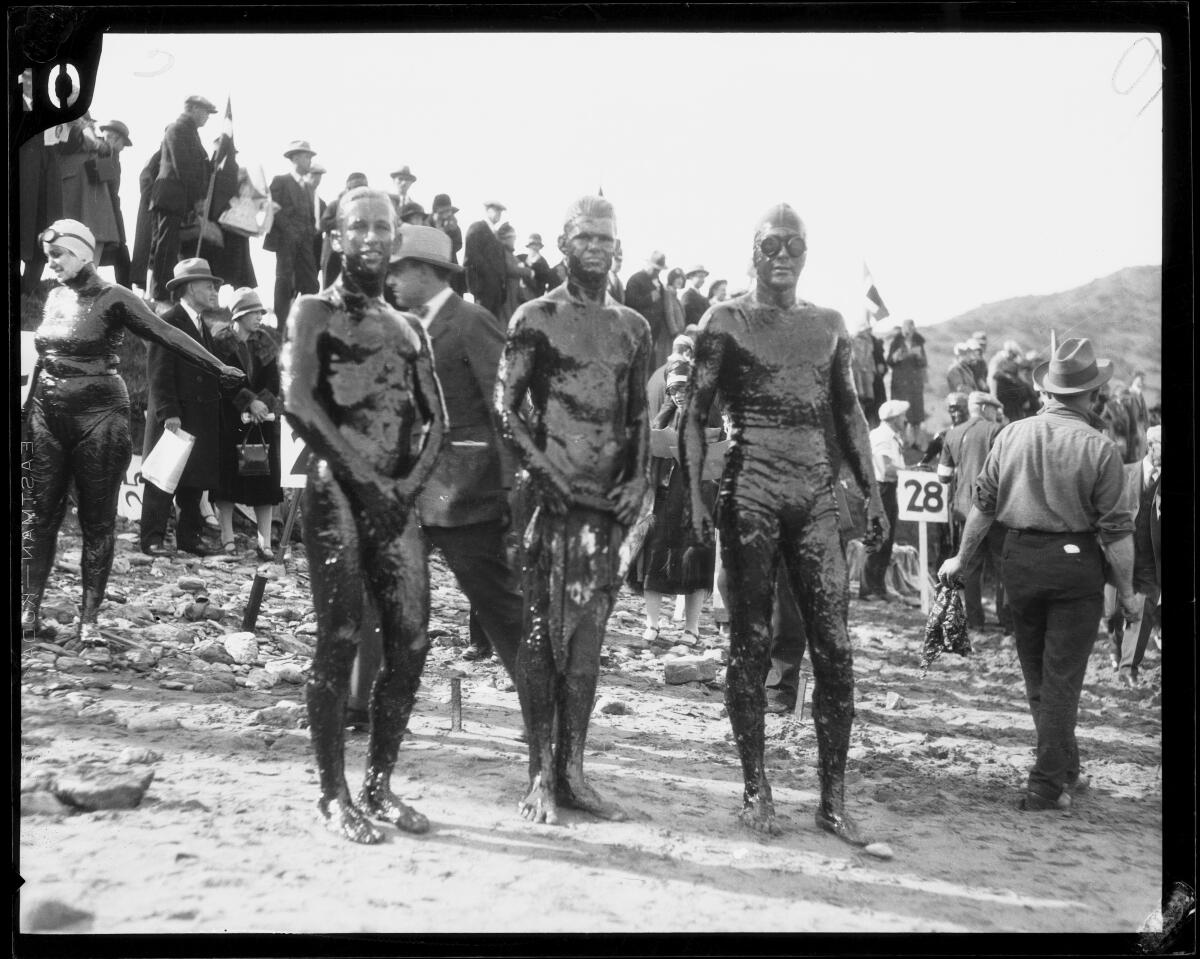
[196, 548]
[475, 653]
[1032, 802]
[157, 550]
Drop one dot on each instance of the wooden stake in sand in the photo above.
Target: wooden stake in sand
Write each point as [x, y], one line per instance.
[260, 581]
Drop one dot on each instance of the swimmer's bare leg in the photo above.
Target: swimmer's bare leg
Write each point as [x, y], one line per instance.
[536, 690]
[399, 577]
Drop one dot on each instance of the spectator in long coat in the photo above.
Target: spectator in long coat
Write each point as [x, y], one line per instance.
[694, 302]
[442, 215]
[960, 377]
[487, 272]
[40, 204]
[180, 188]
[116, 135]
[143, 232]
[294, 230]
[644, 292]
[542, 279]
[85, 198]
[906, 357]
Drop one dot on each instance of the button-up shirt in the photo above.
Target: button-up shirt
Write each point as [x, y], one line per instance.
[434, 303]
[886, 453]
[1056, 473]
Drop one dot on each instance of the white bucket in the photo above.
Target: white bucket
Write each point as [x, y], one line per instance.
[166, 461]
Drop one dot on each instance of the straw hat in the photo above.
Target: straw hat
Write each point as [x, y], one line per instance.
[426, 244]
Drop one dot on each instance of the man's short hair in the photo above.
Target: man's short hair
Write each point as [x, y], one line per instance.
[591, 207]
[363, 193]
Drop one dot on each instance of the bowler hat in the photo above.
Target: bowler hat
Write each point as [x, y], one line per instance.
[426, 244]
[535, 239]
[246, 300]
[197, 101]
[410, 208]
[442, 202]
[980, 398]
[117, 127]
[693, 270]
[190, 270]
[404, 173]
[1074, 369]
[298, 146]
[892, 408]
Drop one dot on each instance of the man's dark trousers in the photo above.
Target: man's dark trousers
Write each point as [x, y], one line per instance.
[1054, 583]
[788, 640]
[156, 511]
[164, 251]
[295, 273]
[874, 575]
[972, 577]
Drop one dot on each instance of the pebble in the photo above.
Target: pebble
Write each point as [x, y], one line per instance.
[141, 658]
[689, 669]
[214, 686]
[614, 707]
[71, 664]
[53, 914]
[880, 850]
[139, 559]
[285, 714]
[294, 645]
[242, 647]
[306, 629]
[212, 651]
[97, 655]
[190, 584]
[718, 654]
[895, 701]
[287, 671]
[91, 789]
[138, 755]
[146, 722]
[260, 679]
[42, 803]
[99, 716]
[165, 633]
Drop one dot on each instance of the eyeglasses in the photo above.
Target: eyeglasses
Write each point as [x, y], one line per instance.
[772, 245]
[51, 235]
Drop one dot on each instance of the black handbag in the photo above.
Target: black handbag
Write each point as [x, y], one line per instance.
[253, 459]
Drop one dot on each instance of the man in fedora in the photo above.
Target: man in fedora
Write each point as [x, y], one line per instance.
[116, 255]
[294, 230]
[331, 259]
[484, 259]
[694, 302]
[179, 188]
[441, 215]
[182, 396]
[464, 506]
[644, 293]
[403, 180]
[542, 279]
[413, 214]
[1055, 481]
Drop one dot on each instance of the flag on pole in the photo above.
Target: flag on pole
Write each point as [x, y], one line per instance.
[876, 310]
[225, 153]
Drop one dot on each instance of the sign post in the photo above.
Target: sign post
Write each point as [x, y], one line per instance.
[922, 499]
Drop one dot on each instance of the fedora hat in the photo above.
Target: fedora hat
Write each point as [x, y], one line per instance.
[404, 173]
[442, 202]
[427, 244]
[117, 127]
[410, 208]
[246, 300]
[693, 270]
[1074, 369]
[190, 270]
[298, 146]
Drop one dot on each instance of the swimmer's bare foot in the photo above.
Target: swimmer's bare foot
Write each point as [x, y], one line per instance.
[378, 801]
[540, 804]
[758, 813]
[841, 825]
[575, 793]
[345, 819]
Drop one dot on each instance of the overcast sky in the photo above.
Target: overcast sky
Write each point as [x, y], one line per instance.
[963, 168]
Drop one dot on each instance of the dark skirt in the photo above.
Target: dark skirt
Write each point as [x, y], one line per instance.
[248, 490]
[661, 566]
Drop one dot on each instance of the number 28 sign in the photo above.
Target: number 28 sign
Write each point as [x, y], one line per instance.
[922, 497]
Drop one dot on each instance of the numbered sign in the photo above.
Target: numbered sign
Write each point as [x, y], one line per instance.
[922, 497]
[293, 458]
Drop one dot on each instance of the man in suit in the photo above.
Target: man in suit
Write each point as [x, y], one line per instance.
[116, 255]
[294, 230]
[442, 216]
[403, 180]
[316, 173]
[693, 301]
[179, 189]
[1142, 497]
[183, 396]
[644, 293]
[542, 280]
[484, 259]
[464, 506]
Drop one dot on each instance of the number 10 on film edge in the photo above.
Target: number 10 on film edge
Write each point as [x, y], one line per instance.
[922, 497]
